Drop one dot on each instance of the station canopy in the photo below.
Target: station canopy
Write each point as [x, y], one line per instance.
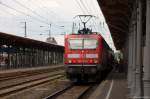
[117, 14]
[9, 39]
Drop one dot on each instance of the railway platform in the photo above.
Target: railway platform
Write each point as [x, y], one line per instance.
[114, 87]
[19, 71]
[29, 69]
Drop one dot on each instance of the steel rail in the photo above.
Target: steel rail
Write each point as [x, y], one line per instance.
[85, 92]
[26, 85]
[59, 92]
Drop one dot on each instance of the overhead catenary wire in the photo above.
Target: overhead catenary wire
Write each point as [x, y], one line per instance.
[86, 4]
[48, 12]
[43, 7]
[96, 9]
[87, 12]
[21, 12]
[90, 9]
[34, 12]
[82, 9]
[80, 6]
[7, 12]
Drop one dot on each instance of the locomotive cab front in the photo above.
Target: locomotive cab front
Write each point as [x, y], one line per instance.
[82, 57]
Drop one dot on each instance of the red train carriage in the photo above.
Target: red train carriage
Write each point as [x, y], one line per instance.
[86, 57]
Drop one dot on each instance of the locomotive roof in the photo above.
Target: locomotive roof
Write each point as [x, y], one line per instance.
[93, 33]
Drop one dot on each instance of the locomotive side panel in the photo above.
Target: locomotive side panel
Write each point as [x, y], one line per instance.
[106, 56]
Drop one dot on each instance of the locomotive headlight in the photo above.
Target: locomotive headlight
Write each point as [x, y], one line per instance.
[95, 61]
[69, 61]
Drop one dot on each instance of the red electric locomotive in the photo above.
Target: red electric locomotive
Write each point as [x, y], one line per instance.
[87, 56]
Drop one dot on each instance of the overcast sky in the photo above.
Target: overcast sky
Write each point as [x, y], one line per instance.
[38, 14]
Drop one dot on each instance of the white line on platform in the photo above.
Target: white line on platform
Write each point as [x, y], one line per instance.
[110, 89]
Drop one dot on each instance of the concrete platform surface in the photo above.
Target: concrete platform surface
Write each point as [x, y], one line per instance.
[29, 69]
[114, 87]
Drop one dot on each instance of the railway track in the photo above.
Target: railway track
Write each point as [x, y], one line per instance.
[27, 82]
[27, 73]
[70, 92]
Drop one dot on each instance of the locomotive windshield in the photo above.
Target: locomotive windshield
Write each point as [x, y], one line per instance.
[75, 43]
[84, 43]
